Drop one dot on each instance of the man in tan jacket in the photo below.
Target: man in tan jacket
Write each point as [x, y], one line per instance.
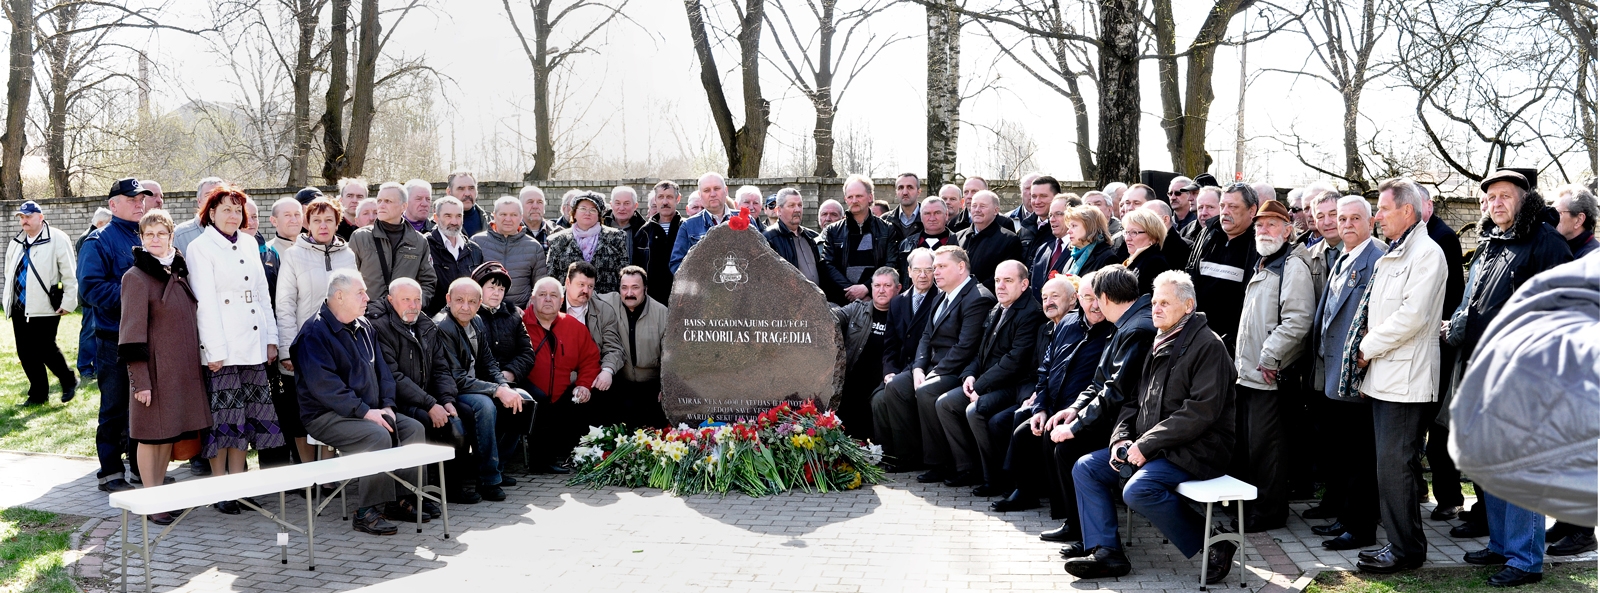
[1399, 348]
[643, 326]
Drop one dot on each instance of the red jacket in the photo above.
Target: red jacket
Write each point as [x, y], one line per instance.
[556, 358]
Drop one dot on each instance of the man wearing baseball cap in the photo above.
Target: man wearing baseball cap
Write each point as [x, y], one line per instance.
[107, 253]
[40, 287]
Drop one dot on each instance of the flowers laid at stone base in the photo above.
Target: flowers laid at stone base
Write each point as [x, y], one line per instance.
[783, 449]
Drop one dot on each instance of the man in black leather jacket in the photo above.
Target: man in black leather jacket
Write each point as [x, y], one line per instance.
[852, 248]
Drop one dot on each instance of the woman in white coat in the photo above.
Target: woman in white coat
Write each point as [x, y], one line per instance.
[238, 334]
[302, 288]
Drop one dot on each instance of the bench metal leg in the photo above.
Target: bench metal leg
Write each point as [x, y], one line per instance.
[1244, 544]
[144, 520]
[311, 529]
[283, 536]
[421, 482]
[124, 551]
[1205, 548]
[444, 506]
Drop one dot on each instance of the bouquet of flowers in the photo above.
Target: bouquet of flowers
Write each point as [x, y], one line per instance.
[782, 449]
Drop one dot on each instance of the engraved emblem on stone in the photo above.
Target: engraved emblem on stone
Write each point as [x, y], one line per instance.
[732, 274]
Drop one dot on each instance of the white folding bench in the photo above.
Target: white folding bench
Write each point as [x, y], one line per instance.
[192, 494]
[1225, 489]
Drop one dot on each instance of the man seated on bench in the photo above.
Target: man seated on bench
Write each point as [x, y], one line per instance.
[1178, 428]
[347, 393]
[410, 345]
[500, 414]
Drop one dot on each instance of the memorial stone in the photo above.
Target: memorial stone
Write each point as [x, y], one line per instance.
[746, 332]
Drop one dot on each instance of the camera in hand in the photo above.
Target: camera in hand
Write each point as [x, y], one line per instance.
[1119, 460]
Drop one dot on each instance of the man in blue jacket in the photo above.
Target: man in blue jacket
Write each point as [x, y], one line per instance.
[106, 254]
[715, 192]
[347, 392]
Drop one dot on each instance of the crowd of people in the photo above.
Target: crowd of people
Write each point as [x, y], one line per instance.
[1077, 350]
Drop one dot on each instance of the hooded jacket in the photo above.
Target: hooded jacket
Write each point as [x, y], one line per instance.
[1279, 303]
[523, 257]
[1183, 411]
[303, 283]
[1523, 423]
[53, 260]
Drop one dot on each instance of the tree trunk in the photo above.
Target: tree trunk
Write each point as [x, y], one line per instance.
[822, 132]
[1080, 115]
[720, 112]
[334, 159]
[306, 16]
[944, 94]
[1201, 62]
[60, 72]
[362, 108]
[1166, 32]
[1119, 91]
[544, 150]
[752, 137]
[1354, 170]
[19, 86]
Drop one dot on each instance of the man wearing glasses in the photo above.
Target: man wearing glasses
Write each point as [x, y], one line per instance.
[1180, 195]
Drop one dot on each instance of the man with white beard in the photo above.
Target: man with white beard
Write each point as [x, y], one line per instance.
[1279, 300]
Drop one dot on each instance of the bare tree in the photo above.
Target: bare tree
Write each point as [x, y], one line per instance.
[1343, 37]
[1058, 62]
[1118, 145]
[19, 86]
[1494, 83]
[334, 158]
[744, 144]
[306, 16]
[813, 63]
[546, 56]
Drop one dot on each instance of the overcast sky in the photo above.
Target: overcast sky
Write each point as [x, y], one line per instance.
[643, 96]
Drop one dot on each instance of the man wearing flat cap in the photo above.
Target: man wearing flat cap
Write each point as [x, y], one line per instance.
[1279, 299]
[106, 255]
[1516, 244]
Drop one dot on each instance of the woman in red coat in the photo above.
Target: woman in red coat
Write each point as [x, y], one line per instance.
[562, 346]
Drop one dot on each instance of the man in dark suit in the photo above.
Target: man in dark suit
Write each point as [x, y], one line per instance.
[904, 411]
[975, 417]
[1352, 491]
[908, 316]
[986, 242]
[1054, 252]
[931, 232]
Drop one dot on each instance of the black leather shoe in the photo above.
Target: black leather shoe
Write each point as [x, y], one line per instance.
[507, 481]
[931, 476]
[403, 510]
[967, 478]
[463, 496]
[199, 467]
[1443, 513]
[1572, 545]
[1345, 541]
[227, 507]
[1320, 511]
[1470, 529]
[1387, 562]
[370, 520]
[1260, 524]
[1220, 561]
[1073, 550]
[431, 509]
[1514, 577]
[1063, 534]
[1484, 557]
[492, 493]
[69, 390]
[115, 485]
[986, 490]
[1373, 553]
[1101, 564]
[1012, 503]
[1330, 530]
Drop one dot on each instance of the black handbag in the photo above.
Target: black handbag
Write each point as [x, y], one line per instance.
[57, 293]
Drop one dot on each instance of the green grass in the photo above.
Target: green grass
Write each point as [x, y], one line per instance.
[54, 427]
[1569, 577]
[32, 546]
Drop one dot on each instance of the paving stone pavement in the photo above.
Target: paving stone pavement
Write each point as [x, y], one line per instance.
[900, 536]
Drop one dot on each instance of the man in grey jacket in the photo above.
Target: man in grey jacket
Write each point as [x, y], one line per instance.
[643, 327]
[1278, 302]
[507, 241]
[390, 249]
